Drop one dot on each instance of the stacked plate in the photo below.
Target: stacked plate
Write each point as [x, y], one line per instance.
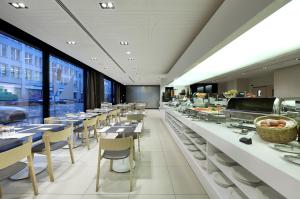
[187, 142]
[198, 155]
[224, 159]
[203, 147]
[222, 180]
[203, 164]
[266, 192]
[195, 135]
[192, 148]
[200, 141]
[235, 193]
[244, 176]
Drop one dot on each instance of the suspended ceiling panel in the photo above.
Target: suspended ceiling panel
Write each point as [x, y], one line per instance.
[158, 32]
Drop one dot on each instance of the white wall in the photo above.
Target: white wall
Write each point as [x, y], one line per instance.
[287, 82]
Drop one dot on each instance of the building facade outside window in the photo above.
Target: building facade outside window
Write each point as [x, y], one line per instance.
[19, 92]
[3, 50]
[66, 87]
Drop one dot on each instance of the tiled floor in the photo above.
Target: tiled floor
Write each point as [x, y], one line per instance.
[161, 173]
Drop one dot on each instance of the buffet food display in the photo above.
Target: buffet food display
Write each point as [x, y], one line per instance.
[271, 123]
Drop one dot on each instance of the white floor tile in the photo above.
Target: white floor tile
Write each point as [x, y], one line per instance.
[161, 172]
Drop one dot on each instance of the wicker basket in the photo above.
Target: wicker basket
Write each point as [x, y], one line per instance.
[277, 135]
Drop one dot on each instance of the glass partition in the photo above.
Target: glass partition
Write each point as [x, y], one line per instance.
[66, 87]
[21, 97]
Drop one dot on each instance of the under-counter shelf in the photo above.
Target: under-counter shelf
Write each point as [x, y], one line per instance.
[257, 158]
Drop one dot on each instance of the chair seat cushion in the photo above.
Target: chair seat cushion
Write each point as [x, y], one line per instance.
[80, 129]
[116, 155]
[12, 170]
[134, 135]
[53, 146]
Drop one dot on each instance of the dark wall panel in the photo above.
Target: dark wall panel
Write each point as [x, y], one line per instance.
[145, 94]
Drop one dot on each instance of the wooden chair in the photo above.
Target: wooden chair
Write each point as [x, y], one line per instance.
[10, 165]
[118, 114]
[88, 125]
[53, 141]
[115, 149]
[101, 120]
[138, 118]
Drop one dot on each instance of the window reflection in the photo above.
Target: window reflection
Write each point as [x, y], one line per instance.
[20, 96]
[66, 87]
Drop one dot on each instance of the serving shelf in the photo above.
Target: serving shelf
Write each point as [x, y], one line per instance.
[258, 158]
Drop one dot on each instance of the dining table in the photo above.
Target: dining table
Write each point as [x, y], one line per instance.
[20, 134]
[76, 121]
[122, 129]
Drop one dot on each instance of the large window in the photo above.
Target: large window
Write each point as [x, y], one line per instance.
[20, 97]
[107, 90]
[66, 87]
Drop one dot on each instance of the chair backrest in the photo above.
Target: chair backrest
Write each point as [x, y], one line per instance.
[117, 144]
[90, 122]
[138, 117]
[101, 119]
[16, 154]
[50, 136]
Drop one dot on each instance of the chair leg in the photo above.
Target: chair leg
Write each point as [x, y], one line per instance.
[31, 175]
[131, 171]
[95, 134]
[111, 165]
[87, 139]
[139, 144]
[98, 172]
[71, 149]
[49, 162]
[0, 191]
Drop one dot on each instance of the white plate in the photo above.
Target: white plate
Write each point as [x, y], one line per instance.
[292, 158]
[244, 176]
[200, 141]
[192, 148]
[235, 193]
[198, 155]
[288, 148]
[266, 192]
[187, 142]
[224, 159]
[44, 129]
[222, 180]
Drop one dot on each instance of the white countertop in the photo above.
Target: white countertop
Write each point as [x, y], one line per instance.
[263, 161]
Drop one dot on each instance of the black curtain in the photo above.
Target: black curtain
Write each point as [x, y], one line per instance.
[93, 89]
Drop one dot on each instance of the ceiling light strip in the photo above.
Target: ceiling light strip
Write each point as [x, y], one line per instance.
[88, 33]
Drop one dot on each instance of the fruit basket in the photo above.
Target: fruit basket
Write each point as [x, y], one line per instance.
[283, 131]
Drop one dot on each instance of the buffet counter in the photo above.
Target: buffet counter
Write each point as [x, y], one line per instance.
[260, 159]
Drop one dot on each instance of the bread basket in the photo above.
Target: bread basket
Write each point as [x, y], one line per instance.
[277, 135]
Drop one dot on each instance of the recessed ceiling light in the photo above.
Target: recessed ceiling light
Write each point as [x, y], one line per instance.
[243, 73]
[298, 59]
[93, 58]
[18, 5]
[107, 5]
[131, 59]
[71, 42]
[128, 52]
[124, 43]
[110, 4]
[265, 68]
